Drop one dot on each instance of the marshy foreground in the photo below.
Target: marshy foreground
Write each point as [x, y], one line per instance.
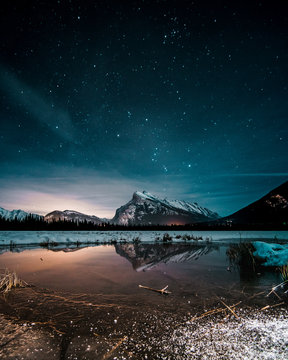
[86, 303]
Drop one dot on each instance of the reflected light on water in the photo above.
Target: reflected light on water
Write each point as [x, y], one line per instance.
[187, 269]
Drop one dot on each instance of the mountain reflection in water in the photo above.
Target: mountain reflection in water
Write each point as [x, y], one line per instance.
[146, 256]
[191, 270]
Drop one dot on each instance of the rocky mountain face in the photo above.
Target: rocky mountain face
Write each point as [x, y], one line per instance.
[16, 214]
[71, 215]
[144, 257]
[145, 208]
[270, 209]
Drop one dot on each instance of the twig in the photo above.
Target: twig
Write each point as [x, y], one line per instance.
[257, 294]
[50, 324]
[214, 311]
[272, 306]
[229, 308]
[162, 291]
[106, 356]
[274, 292]
[276, 287]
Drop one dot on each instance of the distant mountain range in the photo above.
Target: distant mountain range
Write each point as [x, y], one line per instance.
[147, 209]
[17, 214]
[72, 215]
[143, 209]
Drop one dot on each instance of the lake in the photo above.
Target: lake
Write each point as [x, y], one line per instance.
[77, 280]
[190, 269]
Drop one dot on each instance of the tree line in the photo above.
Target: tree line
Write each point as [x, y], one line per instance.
[32, 223]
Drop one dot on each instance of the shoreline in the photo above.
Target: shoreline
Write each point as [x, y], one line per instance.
[58, 325]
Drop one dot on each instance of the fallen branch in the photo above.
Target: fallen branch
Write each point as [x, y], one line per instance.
[162, 291]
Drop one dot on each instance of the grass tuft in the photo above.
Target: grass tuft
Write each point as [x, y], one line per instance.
[48, 243]
[10, 280]
[242, 255]
[166, 238]
[284, 272]
[136, 240]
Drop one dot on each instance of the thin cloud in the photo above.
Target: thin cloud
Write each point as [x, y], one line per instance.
[255, 175]
[56, 119]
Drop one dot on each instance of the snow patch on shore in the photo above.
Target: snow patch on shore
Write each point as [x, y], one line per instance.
[272, 254]
[261, 336]
[69, 237]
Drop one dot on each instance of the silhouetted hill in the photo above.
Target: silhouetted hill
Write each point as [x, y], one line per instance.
[270, 209]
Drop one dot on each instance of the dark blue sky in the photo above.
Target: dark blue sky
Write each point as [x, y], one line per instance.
[185, 99]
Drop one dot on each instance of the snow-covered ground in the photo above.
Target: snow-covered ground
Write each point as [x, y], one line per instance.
[272, 254]
[259, 336]
[70, 237]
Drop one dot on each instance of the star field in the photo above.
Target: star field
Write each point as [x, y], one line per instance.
[187, 99]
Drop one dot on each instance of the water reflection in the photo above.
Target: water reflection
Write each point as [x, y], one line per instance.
[146, 256]
[190, 269]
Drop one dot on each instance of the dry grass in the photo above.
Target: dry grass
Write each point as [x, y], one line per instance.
[242, 255]
[10, 280]
[49, 243]
[284, 272]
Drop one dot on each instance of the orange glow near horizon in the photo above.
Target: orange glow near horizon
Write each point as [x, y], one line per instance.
[43, 203]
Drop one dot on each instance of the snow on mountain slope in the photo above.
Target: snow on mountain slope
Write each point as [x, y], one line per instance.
[72, 215]
[16, 214]
[145, 208]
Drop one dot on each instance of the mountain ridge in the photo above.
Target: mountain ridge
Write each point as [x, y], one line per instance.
[72, 215]
[145, 208]
[270, 208]
[17, 214]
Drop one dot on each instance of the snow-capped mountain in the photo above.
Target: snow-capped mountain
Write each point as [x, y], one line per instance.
[145, 257]
[72, 215]
[16, 214]
[270, 209]
[145, 208]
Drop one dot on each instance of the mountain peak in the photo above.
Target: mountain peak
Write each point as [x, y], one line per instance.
[145, 195]
[72, 215]
[16, 214]
[146, 208]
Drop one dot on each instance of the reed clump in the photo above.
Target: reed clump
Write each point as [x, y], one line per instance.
[136, 240]
[48, 243]
[188, 237]
[10, 280]
[284, 272]
[242, 255]
[166, 238]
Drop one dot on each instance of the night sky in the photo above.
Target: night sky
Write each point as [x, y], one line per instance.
[185, 99]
